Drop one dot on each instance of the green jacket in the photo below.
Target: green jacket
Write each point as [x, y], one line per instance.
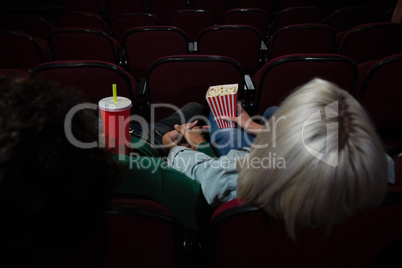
[149, 176]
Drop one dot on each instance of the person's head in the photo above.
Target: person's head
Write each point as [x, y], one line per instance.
[332, 162]
[47, 185]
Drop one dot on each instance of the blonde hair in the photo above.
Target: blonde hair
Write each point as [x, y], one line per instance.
[334, 162]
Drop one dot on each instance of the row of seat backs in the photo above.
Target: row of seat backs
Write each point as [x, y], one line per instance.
[341, 19]
[174, 80]
[193, 20]
[374, 84]
[190, 20]
[373, 41]
[163, 8]
[361, 43]
[313, 37]
[142, 46]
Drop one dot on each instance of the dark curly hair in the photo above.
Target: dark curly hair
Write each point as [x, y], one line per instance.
[49, 188]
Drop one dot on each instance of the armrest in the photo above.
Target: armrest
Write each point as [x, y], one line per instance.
[263, 53]
[249, 95]
[191, 48]
[263, 46]
[142, 88]
[195, 46]
[248, 83]
[143, 98]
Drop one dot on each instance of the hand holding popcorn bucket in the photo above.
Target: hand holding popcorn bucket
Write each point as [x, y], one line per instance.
[222, 101]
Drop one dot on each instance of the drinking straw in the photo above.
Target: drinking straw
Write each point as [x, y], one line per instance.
[114, 92]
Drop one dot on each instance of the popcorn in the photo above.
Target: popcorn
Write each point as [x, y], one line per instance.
[222, 90]
[222, 101]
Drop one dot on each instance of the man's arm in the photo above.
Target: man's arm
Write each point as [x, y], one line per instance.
[244, 121]
[218, 177]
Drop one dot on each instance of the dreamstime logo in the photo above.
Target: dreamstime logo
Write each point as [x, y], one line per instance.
[329, 156]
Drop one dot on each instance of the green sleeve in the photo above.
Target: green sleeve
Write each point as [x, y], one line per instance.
[142, 148]
[207, 149]
[152, 178]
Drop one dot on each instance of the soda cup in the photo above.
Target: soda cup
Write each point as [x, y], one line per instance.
[115, 120]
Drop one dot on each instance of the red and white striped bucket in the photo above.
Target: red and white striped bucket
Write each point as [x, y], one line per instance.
[223, 104]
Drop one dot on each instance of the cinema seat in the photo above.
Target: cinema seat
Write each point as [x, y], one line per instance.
[280, 76]
[93, 78]
[177, 80]
[246, 236]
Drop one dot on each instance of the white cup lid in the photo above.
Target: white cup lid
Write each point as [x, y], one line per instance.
[107, 104]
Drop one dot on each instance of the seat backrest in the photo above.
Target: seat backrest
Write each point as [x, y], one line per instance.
[93, 78]
[302, 38]
[282, 75]
[30, 24]
[362, 69]
[372, 41]
[21, 51]
[142, 233]
[283, 4]
[83, 20]
[216, 7]
[124, 22]
[143, 45]
[346, 18]
[83, 44]
[245, 236]
[296, 15]
[258, 18]
[162, 8]
[240, 42]
[131, 232]
[381, 87]
[380, 6]
[181, 79]
[93, 6]
[191, 21]
[269, 6]
[119, 7]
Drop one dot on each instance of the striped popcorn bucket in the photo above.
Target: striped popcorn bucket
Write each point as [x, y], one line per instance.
[222, 101]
